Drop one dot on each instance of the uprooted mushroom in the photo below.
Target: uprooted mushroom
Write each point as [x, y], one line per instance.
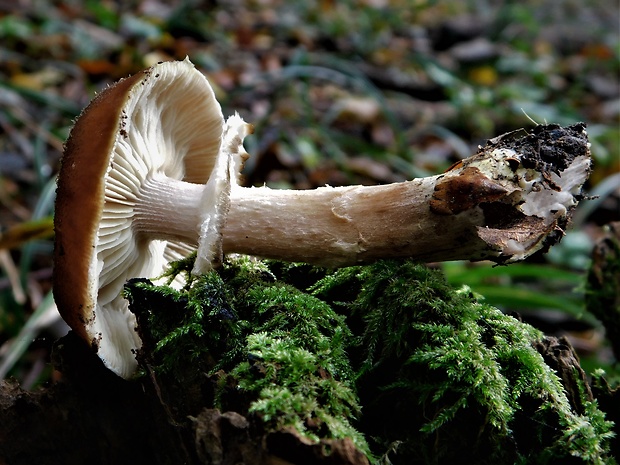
[151, 172]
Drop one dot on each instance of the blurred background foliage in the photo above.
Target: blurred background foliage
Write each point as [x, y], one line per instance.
[339, 92]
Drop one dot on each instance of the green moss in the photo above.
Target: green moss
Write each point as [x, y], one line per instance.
[293, 388]
[295, 366]
[269, 349]
[440, 376]
[459, 380]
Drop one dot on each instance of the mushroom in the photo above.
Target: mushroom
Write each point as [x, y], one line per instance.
[133, 160]
[151, 171]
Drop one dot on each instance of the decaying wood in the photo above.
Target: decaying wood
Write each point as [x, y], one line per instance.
[603, 289]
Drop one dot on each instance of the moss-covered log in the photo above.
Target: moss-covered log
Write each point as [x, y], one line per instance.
[266, 362]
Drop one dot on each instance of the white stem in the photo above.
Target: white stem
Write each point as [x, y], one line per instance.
[347, 225]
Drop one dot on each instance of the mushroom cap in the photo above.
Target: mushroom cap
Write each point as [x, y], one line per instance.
[163, 121]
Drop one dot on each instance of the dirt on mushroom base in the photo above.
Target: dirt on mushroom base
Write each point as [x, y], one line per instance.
[550, 147]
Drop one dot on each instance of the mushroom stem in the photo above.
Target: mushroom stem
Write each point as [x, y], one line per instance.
[345, 225]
